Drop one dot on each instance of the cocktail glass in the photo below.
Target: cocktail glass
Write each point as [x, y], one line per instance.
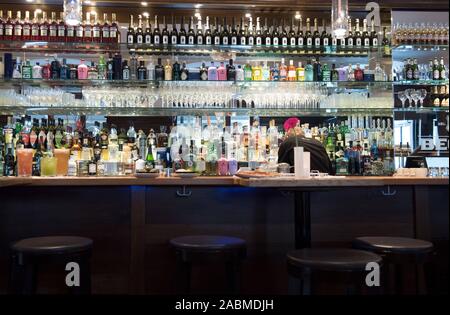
[62, 164]
[24, 162]
[48, 166]
[402, 97]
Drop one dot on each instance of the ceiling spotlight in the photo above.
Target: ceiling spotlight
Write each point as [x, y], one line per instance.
[144, 3]
[198, 6]
[30, 0]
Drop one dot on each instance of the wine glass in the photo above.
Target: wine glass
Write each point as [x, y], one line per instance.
[408, 96]
[415, 96]
[422, 96]
[402, 97]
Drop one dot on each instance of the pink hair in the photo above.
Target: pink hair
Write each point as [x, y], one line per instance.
[291, 123]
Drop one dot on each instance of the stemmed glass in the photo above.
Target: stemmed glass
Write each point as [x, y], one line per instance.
[415, 96]
[422, 96]
[408, 96]
[402, 97]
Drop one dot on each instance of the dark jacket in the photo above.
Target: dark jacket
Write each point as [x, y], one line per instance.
[319, 157]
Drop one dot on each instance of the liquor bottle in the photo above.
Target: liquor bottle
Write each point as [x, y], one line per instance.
[386, 43]
[442, 70]
[191, 33]
[184, 76]
[265, 72]
[365, 35]
[216, 33]
[326, 73]
[156, 33]
[101, 68]
[125, 71]
[283, 70]
[242, 33]
[239, 74]
[105, 30]
[259, 35]
[275, 34]
[130, 32]
[26, 27]
[203, 72]
[139, 32]
[349, 42]
[324, 37]
[317, 70]
[250, 35]
[53, 28]
[267, 36]
[234, 34]
[9, 164]
[133, 67]
[92, 72]
[231, 71]
[35, 27]
[96, 30]
[55, 68]
[308, 35]
[292, 35]
[275, 73]
[182, 32]
[27, 71]
[212, 72]
[292, 74]
[142, 71]
[225, 36]
[88, 29]
[168, 71]
[43, 28]
[73, 72]
[79, 33]
[300, 72]
[379, 73]
[248, 73]
[373, 34]
[415, 69]
[334, 73]
[222, 162]
[358, 41]
[17, 29]
[176, 70]
[221, 72]
[148, 32]
[174, 33]
[46, 70]
[114, 33]
[199, 36]
[165, 33]
[284, 35]
[359, 73]
[37, 71]
[300, 36]
[9, 27]
[316, 35]
[82, 70]
[309, 72]
[2, 34]
[350, 73]
[257, 72]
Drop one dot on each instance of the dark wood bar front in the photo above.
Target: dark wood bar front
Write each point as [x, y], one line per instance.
[131, 221]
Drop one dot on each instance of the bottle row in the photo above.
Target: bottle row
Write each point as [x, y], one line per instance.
[435, 70]
[356, 146]
[53, 29]
[252, 34]
[114, 68]
[423, 33]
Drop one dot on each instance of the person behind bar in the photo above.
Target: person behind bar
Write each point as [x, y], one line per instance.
[295, 137]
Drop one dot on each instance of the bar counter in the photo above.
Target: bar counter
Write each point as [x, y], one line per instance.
[131, 221]
[286, 182]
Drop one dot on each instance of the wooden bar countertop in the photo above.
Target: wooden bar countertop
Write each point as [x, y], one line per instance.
[277, 182]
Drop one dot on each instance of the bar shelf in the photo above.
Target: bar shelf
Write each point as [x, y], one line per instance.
[43, 47]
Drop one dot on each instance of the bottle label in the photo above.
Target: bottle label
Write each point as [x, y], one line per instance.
[366, 42]
[113, 32]
[243, 41]
[53, 31]
[156, 40]
[87, 32]
[309, 42]
[139, 39]
[442, 76]
[334, 42]
[284, 41]
[80, 31]
[174, 40]
[358, 42]
[92, 169]
[191, 40]
[350, 42]
[148, 39]
[208, 40]
[409, 74]
[275, 41]
[35, 30]
[225, 40]
[199, 40]
[251, 41]
[234, 40]
[26, 30]
[436, 74]
[70, 31]
[343, 42]
[375, 42]
[291, 74]
[300, 41]
[8, 30]
[293, 41]
[204, 76]
[268, 41]
[165, 40]
[44, 31]
[184, 76]
[105, 32]
[326, 42]
[18, 30]
[317, 41]
[61, 31]
[96, 32]
[130, 39]
[183, 40]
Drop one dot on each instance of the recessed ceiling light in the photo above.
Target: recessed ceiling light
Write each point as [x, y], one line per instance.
[30, 0]
[144, 3]
[198, 6]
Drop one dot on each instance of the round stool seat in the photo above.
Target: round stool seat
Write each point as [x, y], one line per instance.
[207, 243]
[332, 259]
[49, 245]
[394, 245]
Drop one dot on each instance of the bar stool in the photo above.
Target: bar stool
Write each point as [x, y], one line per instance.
[303, 263]
[28, 254]
[208, 248]
[397, 253]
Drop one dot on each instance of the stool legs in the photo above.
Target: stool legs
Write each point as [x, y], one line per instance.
[183, 275]
[233, 274]
[23, 277]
